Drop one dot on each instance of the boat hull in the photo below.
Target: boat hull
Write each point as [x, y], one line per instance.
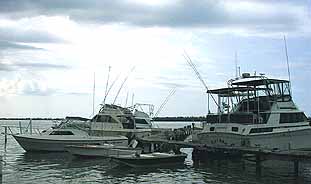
[38, 143]
[278, 141]
[101, 151]
[151, 161]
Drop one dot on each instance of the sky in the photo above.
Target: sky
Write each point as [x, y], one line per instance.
[52, 50]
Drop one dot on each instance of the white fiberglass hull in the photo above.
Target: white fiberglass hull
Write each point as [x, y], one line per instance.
[50, 143]
[298, 139]
[101, 151]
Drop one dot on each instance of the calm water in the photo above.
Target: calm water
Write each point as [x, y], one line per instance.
[21, 167]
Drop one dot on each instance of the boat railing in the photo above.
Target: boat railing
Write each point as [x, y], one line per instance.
[239, 118]
[14, 130]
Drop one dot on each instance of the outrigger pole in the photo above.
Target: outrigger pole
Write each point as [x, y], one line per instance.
[288, 71]
[110, 88]
[123, 84]
[172, 92]
[192, 65]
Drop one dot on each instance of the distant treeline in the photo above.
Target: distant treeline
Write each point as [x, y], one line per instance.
[181, 118]
[188, 118]
[31, 119]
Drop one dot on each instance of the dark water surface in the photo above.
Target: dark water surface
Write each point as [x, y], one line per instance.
[21, 167]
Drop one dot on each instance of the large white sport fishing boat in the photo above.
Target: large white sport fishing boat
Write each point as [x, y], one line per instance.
[112, 124]
[256, 111]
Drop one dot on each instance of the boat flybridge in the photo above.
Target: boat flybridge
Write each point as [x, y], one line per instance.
[256, 111]
[116, 120]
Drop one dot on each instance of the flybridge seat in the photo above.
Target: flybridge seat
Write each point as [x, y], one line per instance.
[239, 118]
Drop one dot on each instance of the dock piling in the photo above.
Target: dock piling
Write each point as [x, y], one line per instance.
[258, 165]
[296, 167]
[30, 127]
[5, 137]
[1, 165]
[20, 127]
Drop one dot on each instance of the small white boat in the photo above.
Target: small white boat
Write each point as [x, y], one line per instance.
[58, 139]
[105, 150]
[155, 159]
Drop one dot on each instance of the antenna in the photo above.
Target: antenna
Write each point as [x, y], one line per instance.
[93, 93]
[236, 64]
[123, 84]
[288, 71]
[172, 92]
[127, 95]
[132, 99]
[192, 65]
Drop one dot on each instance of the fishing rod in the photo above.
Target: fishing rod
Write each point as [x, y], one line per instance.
[287, 61]
[194, 68]
[123, 84]
[112, 84]
[172, 92]
[106, 90]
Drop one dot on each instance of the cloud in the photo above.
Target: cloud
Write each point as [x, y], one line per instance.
[34, 88]
[31, 87]
[11, 45]
[9, 66]
[263, 16]
[19, 34]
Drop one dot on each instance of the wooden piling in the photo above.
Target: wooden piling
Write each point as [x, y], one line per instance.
[30, 126]
[20, 127]
[5, 137]
[1, 167]
[258, 164]
[296, 167]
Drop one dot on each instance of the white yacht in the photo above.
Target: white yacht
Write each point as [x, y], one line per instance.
[256, 111]
[57, 139]
[113, 125]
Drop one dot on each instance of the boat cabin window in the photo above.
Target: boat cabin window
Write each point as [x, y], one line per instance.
[61, 133]
[128, 124]
[212, 129]
[261, 130]
[292, 117]
[141, 121]
[235, 129]
[104, 118]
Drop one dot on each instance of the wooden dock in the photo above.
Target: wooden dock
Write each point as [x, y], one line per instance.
[257, 155]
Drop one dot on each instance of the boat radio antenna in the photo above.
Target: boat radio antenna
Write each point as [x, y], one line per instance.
[93, 94]
[194, 68]
[123, 84]
[172, 92]
[236, 64]
[287, 61]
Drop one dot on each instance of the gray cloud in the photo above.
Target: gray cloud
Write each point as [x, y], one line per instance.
[11, 45]
[30, 66]
[19, 34]
[34, 89]
[182, 13]
[40, 66]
